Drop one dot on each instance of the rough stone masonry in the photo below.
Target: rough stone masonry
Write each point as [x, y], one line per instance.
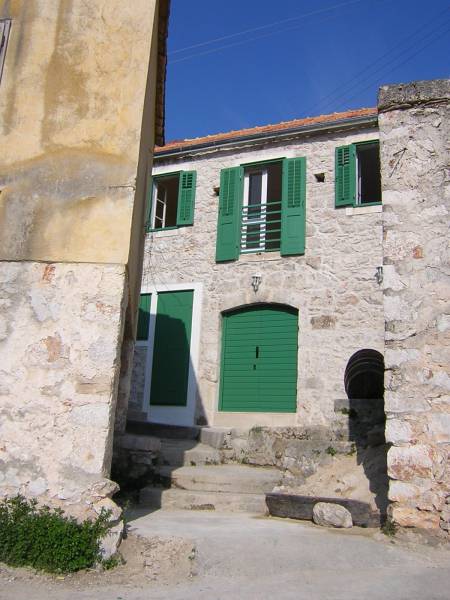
[414, 135]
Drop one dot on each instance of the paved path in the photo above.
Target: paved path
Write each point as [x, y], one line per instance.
[249, 558]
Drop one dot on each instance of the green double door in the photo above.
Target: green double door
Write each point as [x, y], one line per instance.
[171, 349]
[259, 360]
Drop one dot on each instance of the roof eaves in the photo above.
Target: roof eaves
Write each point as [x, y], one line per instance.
[370, 120]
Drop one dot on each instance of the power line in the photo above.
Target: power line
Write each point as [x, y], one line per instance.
[435, 39]
[370, 65]
[336, 98]
[273, 24]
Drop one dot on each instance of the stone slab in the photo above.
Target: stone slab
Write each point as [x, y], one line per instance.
[223, 478]
[178, 499]
[293, 506]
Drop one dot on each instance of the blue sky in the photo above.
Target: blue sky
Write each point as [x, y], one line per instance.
[286, 59]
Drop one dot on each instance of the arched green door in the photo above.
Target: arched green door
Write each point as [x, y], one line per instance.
[259, 360]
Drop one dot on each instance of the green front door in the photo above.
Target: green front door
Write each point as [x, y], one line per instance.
[171, 350]
[259, 360]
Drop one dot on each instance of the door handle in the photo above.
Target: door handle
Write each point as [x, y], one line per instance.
[257, 351]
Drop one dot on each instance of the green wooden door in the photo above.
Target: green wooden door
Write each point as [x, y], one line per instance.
[171, 350]
[259, 360]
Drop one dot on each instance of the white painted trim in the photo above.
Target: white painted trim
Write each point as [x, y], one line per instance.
[174, 415]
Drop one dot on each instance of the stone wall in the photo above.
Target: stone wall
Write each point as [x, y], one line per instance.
[333, 285]
[60, 335]
[77, 108]
[414, 132]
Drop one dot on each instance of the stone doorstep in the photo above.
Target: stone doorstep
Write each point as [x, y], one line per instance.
[179, 454]
[222, 478]
[292, 506]
[178, 499]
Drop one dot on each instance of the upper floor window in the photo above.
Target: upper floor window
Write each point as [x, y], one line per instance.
[358, 179]
[262, 208]
[5, 25]
[173, 200]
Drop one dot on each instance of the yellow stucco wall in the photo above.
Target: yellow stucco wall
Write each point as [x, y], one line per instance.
[73, 97]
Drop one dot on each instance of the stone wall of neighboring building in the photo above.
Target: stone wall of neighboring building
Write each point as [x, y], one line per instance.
[333, 285]
[77, 120]
[60, 337]
[414, 123]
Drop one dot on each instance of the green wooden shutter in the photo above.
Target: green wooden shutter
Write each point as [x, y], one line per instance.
[143, 317]
[345, 177]
[293, 206]
[229, 221]
[186, 198]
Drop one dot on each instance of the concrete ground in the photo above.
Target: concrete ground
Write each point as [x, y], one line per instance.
[244, 557]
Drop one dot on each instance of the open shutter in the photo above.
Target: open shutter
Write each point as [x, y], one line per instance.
[293, 206]
[186, 198]
[143, 317]
[345, 181]
[229, 221]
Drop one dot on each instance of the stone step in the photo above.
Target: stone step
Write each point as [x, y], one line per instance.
[214, 436]
[222, 478]
[163, 431]
[177, 453]
[178, 499]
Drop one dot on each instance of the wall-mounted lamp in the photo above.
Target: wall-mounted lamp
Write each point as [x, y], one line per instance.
[379, 275]
[256, 280]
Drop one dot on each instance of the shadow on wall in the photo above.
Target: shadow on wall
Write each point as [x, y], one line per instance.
[136, 457]
[364, 385]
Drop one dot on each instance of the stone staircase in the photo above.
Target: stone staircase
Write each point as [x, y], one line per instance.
[189, 475]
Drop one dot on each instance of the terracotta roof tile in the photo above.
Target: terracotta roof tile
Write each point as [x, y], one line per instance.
[230, 135]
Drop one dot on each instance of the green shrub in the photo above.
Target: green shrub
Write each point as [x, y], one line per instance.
[389, 528]
[331, 451]
[46, 539]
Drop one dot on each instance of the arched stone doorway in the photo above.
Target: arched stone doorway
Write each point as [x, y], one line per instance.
[259, 359]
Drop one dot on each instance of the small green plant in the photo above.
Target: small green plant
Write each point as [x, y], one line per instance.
[46, 539]
[256, 429]
[351, 412]
[352, 449]
[331, 451]
[112, 562]
[389, 528]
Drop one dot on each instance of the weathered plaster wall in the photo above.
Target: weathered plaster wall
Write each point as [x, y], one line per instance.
[71, 109]
[414, 132]
[333, 285]
[60, 335]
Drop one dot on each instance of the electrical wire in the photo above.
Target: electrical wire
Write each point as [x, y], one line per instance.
[273, 24]
[337, 95]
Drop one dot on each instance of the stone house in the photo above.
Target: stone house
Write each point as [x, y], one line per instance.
[286, 267]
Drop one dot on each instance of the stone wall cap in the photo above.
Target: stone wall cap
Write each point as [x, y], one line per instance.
[405, 95]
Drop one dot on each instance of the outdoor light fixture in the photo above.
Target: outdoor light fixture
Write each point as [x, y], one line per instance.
[256, 280]
[379, 275]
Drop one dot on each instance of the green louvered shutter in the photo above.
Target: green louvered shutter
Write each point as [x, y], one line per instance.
[345, 178]
[143, 317]
[229, 221]
[293, 206]
[186, 198]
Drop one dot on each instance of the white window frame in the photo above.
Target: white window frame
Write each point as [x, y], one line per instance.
[172, 415]
[361, 146]
[155, 200]
[262, 219]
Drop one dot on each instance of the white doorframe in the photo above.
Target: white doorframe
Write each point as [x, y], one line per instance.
[173, 415]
